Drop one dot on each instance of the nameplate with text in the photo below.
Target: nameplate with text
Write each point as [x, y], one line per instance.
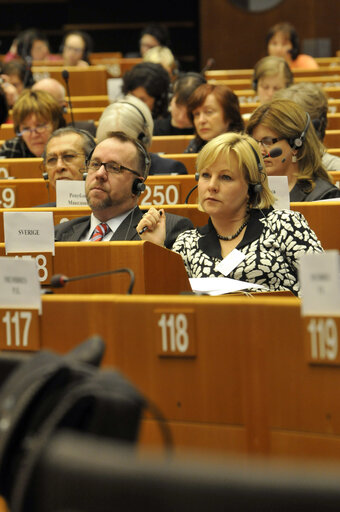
[29, 232]
[70, 193]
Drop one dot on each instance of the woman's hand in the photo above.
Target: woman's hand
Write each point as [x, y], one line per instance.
[152, 226]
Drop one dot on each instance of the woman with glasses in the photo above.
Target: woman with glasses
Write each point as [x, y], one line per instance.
[36, 114]
[76, 49]
[284, 124]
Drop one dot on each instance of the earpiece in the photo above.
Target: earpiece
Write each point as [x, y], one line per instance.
[297, 142]
[138, 186]
[45, 175]
[197, 176]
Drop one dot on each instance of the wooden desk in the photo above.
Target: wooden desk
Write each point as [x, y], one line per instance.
[169, 143]
[21, 168]
[82, 81]
[224, 384]
[25, 193]
[156, 269]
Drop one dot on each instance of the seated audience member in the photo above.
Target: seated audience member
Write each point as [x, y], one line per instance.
[55, 88]
[153, 35]
[116, 172]
[233, 190]
[214, 109]
[270, 75]
[164, 56]
[178, 121]
[19, 74]
[30, 43]
[65, 154]
[150, 83]
[36, 114]
[3, 106]
[131, 116]
[76, 48]
[313, 100]
[284, 124]
[282, 40]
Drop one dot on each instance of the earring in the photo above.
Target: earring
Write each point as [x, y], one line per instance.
[294, 159]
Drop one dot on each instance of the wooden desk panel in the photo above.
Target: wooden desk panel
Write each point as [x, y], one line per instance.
[156, 269]
[25, 193]
[21, 168]
[169, 143]
[248, 387]
[82, 81]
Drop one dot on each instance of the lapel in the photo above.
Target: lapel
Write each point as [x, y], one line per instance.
[78, 230]
[127, 229]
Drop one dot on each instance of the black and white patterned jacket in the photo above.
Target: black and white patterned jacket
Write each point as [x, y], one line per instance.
[273, 242]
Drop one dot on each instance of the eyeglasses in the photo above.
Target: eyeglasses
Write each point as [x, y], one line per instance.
[267, 142]
[41, 128]
[67, 159]
[110, 167]
[73, 49]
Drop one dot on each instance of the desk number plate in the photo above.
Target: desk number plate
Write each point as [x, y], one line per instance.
[322, 340]
[19, 329]
[175, 332]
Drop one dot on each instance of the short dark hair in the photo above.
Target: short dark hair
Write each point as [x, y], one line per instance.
[88, 41]
[143, 164]
[159, 32]
[290, 31]
[155, 80]
[225, 97]
[185, 85]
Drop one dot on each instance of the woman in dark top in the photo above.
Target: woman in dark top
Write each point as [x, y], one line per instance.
[214, 109]
[178, 121]
[284, 124]
[36, 114]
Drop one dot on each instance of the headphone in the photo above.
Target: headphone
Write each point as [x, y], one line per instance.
[297, 142]
[142, 137]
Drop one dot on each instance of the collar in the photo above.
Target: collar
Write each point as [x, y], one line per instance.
[113, 223]
[210, 245]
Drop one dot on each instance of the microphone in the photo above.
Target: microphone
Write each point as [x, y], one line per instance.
[59, 280]
[28, 62]
[209, 64]
[66, 75]
[274, 153]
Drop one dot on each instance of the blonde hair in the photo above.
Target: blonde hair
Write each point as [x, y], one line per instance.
[129, 115]
[270, 66]
[289, 120]
[246, 151]
[161, 55]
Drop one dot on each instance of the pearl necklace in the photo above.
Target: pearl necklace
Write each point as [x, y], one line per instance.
[236, 234]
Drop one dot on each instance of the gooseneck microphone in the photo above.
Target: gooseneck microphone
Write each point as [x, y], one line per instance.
[59, 280]
[66, 75]
[209, 64]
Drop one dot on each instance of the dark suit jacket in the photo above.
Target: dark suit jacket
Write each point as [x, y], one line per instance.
[161, 165]
[74, 230]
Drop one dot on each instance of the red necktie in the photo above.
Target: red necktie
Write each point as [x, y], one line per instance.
[99, 233]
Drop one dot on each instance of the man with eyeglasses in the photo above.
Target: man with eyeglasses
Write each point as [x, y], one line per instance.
[65, 154]
[116, 171]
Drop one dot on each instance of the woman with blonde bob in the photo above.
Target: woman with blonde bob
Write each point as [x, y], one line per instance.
[233, 190]
[284, 124]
